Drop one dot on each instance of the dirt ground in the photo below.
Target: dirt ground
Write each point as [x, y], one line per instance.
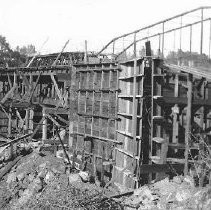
[42, 181]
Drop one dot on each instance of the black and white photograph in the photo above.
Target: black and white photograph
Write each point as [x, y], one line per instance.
[105, 105]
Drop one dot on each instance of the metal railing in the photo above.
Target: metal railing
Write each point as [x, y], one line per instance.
[198, 19]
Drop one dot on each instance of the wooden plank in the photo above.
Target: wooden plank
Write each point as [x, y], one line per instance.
[188, 119]
[8, 167]
[8, 94]
[175, 111]
[16, 140]
[63, 76]
[56, 87]
[158, 168]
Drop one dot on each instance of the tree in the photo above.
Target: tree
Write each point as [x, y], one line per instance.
[17, 57]
[185, 57]
[28, 50]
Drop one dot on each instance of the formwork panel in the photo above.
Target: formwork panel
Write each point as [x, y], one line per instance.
[97, 111]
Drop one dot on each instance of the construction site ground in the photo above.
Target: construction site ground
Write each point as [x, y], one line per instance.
[39, 180]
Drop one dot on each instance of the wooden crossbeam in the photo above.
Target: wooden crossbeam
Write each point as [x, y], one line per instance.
[54, 63]
[9, 80]
[8, 94]
[15, 140]
[56, 87]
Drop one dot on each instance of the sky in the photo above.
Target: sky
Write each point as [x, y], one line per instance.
[25, 22]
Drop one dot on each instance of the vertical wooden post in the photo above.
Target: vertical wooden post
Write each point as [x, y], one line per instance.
[27, 121]
[10, 131]
[44, 127]
[176, 112]
[31, 116]
[134, 122]
[134, 118]
[86, 54]
[188, 119]
[72, 106]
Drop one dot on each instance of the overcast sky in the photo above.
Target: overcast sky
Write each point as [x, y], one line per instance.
[25, 22]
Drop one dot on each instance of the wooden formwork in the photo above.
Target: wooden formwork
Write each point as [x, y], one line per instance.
[93, 135]
[128, 122]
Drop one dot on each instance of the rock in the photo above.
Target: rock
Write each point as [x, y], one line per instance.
[49, 177]
[42, 173]
[84, 176]
[21, 176]
[189, 180]
[58, 168]
[26, 195]
[11, 177]
[60, 154]
[177, 179]
[42, 166]
[74, 178]
[20, 192]
[24, 184]
[31, 177]
[36, 185]
[183, 195]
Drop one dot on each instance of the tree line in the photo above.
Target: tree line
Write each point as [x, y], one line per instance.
[16, 57]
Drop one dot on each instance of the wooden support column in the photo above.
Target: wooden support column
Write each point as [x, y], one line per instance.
[44, 127]
[188, 120]
[9, 129]
[26, 121]
[72, 97]
[175, 111]
[86, 54]
[31, 116]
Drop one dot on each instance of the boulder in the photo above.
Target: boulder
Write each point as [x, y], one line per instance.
[49, 177]
[11, 177]
[74, 178]
[84, 176]
[21, 176]
[58, 168]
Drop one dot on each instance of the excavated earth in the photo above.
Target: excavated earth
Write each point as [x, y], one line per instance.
[40, 180]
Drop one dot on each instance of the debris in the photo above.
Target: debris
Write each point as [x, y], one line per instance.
[74, 178]
[9, 166]
[84, 176]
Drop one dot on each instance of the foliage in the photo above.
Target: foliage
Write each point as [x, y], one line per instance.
[185, 57]
[28, 50]
[12, 58]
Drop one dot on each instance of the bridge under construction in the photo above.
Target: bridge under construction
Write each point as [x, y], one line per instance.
[127, 115]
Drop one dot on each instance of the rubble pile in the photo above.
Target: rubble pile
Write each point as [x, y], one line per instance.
[41, 181]
[179, 193]
[31, 175]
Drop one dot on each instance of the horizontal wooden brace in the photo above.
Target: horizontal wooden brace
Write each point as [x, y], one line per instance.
[98, 116]
[131, 77]
[98, 90]
[99, 69]
[156, 168]
[96, 137]
[16, 140]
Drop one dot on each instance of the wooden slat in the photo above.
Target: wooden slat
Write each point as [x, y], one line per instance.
[188, 118]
